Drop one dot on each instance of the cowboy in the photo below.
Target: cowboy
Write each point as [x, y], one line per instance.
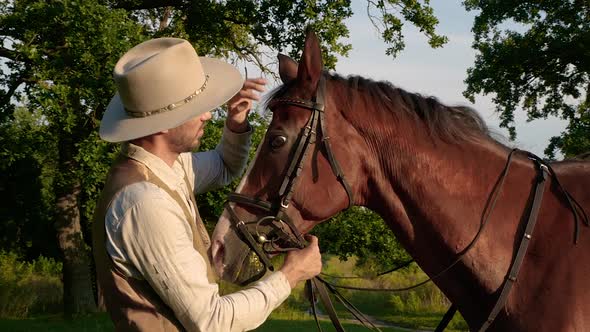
[150, 245]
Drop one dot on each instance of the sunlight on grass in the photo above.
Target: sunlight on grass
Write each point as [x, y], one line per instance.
[421, 308]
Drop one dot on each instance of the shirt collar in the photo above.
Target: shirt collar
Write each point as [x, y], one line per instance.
[172, 176]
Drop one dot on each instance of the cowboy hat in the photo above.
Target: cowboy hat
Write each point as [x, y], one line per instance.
[162, 83]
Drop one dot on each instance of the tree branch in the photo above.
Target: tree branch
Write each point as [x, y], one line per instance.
[146, 4]
[234, 20]
[9, 54]
[5, 98]
[165, 18]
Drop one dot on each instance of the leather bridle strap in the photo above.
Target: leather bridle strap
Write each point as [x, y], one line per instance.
[524, 243]
[247, 237]
[329, 154]
[444, 322]
[314, 286]
[316, 105]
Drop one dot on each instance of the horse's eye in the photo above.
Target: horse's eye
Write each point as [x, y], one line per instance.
[278, 141]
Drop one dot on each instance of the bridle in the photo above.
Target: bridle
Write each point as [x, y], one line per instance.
[283, 228]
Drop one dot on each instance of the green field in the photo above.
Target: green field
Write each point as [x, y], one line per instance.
[101, 322]
[30, 300]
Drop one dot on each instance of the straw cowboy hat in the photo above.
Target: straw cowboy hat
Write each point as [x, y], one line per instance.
[162, 83]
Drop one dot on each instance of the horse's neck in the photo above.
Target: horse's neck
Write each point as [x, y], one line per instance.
[433, 198]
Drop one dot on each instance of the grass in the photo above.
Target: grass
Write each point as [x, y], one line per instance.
[29, 287]
[55, 323]
[421, 308]
[30, 299]
[102, 323]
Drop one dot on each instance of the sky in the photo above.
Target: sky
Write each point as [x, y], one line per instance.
[436, 72]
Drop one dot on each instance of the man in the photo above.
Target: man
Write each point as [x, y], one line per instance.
[150, 245]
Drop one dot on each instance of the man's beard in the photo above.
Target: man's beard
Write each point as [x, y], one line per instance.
[184, 143]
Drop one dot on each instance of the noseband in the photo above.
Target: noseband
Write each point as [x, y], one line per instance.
[277, 217]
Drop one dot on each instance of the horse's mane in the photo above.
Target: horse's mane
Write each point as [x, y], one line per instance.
[449, 123]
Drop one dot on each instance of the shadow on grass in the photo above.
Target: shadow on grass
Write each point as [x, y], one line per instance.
[89, 323]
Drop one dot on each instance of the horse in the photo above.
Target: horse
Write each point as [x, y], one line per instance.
[436, 175]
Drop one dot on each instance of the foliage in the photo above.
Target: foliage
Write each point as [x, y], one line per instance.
[29, 287]
[384, 16]
[59, 56]
[63, 52]
[361, 233]
[535, 55]
[26, 185]
[246, 29]
[575, 141]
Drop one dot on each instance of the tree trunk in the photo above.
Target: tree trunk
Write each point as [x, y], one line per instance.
[78, 297]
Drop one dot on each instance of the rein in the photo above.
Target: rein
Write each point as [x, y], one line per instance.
[286, 231]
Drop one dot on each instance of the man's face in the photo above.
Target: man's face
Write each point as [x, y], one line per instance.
[185, 138]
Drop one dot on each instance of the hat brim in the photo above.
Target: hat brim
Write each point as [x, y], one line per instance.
[224, 82]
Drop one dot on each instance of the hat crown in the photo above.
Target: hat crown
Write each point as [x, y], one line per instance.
[157, 74]
[162, 83]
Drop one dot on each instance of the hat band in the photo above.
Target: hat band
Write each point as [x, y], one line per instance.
[169, 107]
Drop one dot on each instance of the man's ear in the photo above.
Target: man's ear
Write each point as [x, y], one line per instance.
[287, 68]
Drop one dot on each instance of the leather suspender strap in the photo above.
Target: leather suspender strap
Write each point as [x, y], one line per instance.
[524, 243]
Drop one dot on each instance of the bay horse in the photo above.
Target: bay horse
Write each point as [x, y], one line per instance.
[429, 171]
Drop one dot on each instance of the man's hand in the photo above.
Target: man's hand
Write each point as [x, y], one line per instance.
[240, 104]
[303, 264]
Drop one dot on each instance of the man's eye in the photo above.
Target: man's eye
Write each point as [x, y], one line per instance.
[278, 141]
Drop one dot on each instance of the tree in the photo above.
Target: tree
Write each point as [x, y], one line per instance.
[535, 55]
[25, 185]
[57, 57]
[244, 29]
[62, 53]
[361, 233]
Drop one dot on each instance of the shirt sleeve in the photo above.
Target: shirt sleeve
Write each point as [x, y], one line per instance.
[157, 241]
[217, 168]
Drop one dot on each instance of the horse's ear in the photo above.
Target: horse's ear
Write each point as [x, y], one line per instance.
[310, 68]
[287, 68]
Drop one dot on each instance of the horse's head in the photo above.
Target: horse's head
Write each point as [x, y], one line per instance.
[292, 184]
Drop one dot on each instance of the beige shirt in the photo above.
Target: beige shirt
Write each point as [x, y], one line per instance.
[148, 238]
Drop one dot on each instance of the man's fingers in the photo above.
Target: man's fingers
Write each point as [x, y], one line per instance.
[257, 84]
[311, 239]
[248, 94]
